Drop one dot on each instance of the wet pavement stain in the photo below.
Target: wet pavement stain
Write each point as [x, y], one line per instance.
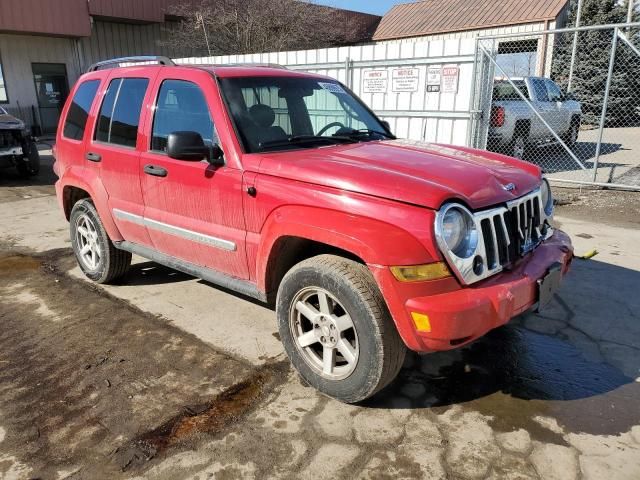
[516, 375]
[222, 412]
[18, 263]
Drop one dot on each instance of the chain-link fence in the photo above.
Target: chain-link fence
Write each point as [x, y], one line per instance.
[566, 100]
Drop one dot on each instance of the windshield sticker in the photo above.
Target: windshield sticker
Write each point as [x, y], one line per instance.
[332, 87]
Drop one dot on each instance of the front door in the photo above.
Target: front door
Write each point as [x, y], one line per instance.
[52, 88]
[193, 211]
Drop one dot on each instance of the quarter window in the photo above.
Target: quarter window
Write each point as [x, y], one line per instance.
[181, 106]
[4, 98]
[76, 120]
[120, 111]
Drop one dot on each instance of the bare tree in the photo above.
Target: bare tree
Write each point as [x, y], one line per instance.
[249, 26]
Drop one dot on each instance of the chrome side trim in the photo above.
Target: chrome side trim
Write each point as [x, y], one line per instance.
[177, 231]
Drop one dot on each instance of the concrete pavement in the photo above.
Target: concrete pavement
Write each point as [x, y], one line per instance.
[549, 396]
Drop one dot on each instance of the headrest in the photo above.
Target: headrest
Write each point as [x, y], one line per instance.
[262, 115]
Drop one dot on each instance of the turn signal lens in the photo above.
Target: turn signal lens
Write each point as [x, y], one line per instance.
[421, 321]
[418, 273]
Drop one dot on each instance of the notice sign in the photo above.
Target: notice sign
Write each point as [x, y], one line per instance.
[405, 79]
[375, 81]
[450, 76]
[434, 79]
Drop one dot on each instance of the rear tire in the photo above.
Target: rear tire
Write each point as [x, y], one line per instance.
[518, 146]
[30, 165]
[328, 305]
[97, 257]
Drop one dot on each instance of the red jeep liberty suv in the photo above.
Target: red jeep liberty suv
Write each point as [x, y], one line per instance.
[285, 187]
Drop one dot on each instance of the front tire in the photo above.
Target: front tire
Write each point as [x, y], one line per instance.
[336, 328]
[30, 165]
[98, 258]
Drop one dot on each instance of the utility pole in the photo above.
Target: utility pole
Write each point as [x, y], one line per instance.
[200, 19]
[574, 49]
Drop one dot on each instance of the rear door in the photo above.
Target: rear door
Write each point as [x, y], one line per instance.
[560, 115]
[193, 211]
[116, 145]
[545, 108]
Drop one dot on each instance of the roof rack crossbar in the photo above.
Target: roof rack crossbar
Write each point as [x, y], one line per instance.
[112, 63]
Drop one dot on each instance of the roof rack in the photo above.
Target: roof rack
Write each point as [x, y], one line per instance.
[114, 62]
[258, 65]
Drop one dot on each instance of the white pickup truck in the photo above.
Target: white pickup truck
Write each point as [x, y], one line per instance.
[513, 124]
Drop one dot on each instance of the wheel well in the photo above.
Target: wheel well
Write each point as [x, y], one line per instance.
[289, 251]
[70, 196]
[523, 127]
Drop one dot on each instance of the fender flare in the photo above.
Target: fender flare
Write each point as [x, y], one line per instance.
[385, 244]
[87, 180]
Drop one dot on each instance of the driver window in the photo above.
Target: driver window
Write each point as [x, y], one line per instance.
[540, 89]
[324, 109]
[555, 94]
[181, 106]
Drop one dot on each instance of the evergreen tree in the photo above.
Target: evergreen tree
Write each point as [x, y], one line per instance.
[592, 64]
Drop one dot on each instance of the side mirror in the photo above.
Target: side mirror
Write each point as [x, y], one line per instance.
[386, 125]
[187, 146]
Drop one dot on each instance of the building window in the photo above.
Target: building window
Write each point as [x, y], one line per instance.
[120, 112]
[4, 98]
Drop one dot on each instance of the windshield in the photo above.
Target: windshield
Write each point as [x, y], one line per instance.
[280, 113]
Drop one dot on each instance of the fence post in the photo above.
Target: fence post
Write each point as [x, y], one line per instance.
[347, 73]
[574, 49]
[605, 102]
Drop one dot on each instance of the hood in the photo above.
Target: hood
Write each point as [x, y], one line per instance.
[412, 172]
[9, 122]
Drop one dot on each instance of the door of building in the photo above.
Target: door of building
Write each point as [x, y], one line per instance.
[52, 88]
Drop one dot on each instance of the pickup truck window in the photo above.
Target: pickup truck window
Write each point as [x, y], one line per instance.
[276, 113]
[504, 91]
[540, 90]
[76, 120]
[120, 111]
[181, 106]
[554, 92]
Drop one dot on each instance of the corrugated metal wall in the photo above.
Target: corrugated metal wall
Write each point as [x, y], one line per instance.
[45, 16]
[18, 52]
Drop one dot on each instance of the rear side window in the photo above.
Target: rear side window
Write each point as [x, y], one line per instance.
[503, 91]
[76, 120]
[120, 111]
[181, 107]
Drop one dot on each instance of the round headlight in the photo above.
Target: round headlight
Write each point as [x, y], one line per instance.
[547, 198]
[459, 232]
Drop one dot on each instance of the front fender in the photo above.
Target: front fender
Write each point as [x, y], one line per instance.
[88, 180]
[374, 241]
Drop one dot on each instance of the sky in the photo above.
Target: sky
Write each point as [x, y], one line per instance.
[378, 7]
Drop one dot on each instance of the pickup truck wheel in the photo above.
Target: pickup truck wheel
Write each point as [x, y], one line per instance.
[98, 258]
[336, 328]
[30, 165]
[571, 137]
[518, 146]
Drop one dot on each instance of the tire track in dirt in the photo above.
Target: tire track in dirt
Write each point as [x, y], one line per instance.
[79, 385]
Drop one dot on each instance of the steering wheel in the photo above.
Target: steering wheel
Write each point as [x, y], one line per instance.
[328, 126]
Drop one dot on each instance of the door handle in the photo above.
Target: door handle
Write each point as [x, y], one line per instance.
[155, 171]
[93, 157]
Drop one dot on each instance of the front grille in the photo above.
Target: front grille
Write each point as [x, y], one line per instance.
[9, 139]
[511, 232]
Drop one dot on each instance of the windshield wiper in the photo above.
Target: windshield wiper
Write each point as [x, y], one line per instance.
[306, 140]
[368, 132]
